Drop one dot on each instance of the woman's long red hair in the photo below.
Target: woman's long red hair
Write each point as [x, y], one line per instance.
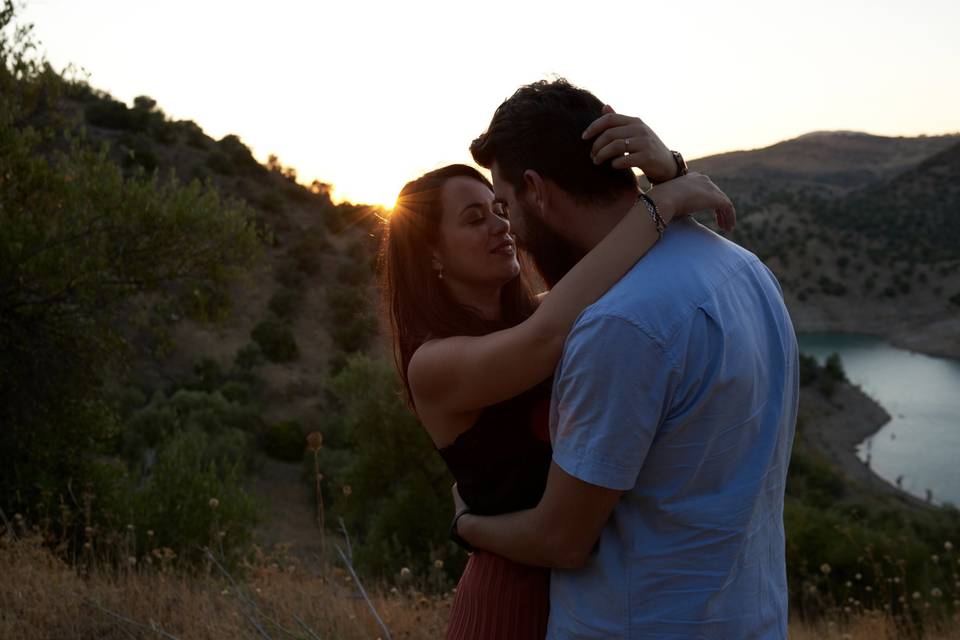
[418, 304]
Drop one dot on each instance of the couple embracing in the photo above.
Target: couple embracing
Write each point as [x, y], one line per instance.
[620, 442]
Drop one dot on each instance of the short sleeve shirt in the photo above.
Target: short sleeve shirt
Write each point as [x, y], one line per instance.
[680, 387]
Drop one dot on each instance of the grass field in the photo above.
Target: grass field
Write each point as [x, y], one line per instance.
[44, 597]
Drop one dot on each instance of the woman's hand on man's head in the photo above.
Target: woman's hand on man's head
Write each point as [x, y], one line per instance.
[629, 142]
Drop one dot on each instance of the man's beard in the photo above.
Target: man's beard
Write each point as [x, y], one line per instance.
[552, 254]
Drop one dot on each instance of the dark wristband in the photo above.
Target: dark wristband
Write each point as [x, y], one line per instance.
[466, 546]
[654, 212]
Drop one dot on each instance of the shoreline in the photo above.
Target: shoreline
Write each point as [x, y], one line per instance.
[932, 334]
[838, 425]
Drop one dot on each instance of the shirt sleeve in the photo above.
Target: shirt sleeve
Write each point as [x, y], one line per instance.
[612, 392]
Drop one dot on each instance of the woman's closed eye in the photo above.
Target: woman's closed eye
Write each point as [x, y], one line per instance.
[501, 209]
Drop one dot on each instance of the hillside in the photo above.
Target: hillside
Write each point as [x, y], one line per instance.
[826, 162]
[316, 252]
[861, 230]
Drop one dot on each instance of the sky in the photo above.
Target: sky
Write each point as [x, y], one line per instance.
[367, 95]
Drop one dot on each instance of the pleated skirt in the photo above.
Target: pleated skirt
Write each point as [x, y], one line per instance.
[500, 600]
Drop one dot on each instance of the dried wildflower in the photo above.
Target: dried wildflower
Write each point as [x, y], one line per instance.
[347, 490]
[149, 533]
[916, 595]
[948, 545]
[131, 560]
[129, 527]
[438, 564]
[404, 572]
[869, 589]
[848, 584]
[858, 576]
[935, 558]
[214, 503]
[825, 569]
[936, 593]
[394, 591]
[314, 440]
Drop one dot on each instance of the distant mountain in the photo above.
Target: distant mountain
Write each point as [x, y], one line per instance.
[828, 163]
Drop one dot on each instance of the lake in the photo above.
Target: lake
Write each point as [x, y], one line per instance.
[921, 443]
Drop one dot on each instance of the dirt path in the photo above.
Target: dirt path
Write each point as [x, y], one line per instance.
[290, 514]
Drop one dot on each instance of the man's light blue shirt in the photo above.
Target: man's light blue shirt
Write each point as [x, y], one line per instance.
[679, 387]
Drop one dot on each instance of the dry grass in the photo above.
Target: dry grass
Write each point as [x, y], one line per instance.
[42, 597]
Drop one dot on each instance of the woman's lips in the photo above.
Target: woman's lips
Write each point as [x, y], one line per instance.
[506, 248]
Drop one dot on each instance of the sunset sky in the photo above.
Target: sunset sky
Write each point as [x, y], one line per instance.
[367, 95]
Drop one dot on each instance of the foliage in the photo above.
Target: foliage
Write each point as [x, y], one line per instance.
[284, 441]
[399, 502]
[80, 242]
[284, 302]
[175, 503]
[352, 325]
[276, 340]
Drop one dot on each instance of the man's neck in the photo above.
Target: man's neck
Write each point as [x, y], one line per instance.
[592, 223]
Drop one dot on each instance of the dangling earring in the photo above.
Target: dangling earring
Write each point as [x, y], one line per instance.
[440, 273]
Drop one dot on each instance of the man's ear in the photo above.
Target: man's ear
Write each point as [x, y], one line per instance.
[536, 191]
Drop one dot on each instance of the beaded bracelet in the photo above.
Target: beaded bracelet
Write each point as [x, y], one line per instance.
[654, 212]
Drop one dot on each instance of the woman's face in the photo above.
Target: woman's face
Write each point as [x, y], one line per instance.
[476, 246]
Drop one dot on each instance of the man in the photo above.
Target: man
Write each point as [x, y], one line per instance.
[673, 407]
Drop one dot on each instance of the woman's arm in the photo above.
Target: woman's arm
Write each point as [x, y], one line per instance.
[465, 373]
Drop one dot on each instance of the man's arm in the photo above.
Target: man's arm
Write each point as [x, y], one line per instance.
[611, 393]
[559, 532]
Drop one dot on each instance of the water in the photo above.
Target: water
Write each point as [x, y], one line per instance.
[921, 443]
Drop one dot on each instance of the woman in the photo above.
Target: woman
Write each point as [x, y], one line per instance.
[475, 350]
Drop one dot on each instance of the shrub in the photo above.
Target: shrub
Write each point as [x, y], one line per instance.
[289, 274]
[809, 369]
[284, 441]
[399, 506]
[354, 335]
[249, 356]
[276, 340]
[308, 251]
[833, 368]
[175, 501]
[284, 302]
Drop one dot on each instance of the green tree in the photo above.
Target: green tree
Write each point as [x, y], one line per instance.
[80, 243]
[399, 504]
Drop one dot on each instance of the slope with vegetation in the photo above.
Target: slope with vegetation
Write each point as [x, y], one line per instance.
[863, 231]
[172, 312]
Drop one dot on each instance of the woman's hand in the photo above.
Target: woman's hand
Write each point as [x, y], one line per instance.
[631, 143]
[691, 193]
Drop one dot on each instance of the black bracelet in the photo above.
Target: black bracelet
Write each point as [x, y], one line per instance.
[466, 546]
[654, 212]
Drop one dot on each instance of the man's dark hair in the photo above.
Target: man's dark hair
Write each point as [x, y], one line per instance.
[539, 128]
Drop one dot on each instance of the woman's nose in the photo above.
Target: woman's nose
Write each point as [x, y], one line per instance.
[500, 225]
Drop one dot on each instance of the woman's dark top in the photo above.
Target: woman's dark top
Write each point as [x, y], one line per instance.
[501, 462]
